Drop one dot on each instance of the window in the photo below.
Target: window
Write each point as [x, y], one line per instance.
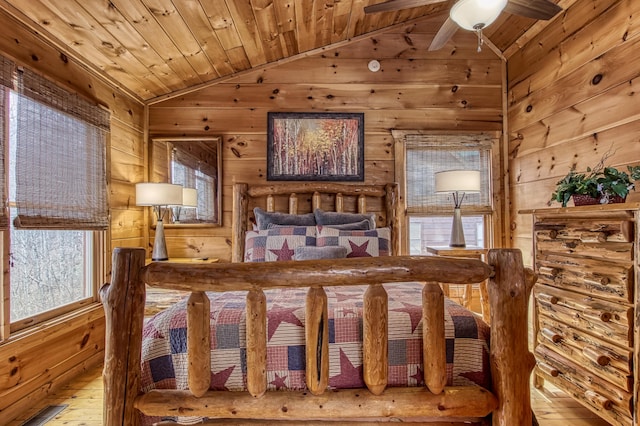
[57, 201]
[430, 213]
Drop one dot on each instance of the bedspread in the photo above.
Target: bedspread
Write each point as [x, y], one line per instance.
[164, 345]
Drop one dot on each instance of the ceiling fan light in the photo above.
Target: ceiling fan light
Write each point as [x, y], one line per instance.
[475, 15]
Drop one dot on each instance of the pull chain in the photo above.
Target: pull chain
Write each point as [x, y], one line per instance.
[478, 28]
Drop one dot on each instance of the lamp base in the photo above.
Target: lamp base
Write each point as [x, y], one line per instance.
[159, 244]
[457, 233]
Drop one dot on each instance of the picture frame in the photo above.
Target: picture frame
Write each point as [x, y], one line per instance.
[315, 146]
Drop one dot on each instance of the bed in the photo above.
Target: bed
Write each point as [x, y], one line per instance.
[394, 362]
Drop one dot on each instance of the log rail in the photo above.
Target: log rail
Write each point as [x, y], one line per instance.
[511, 361]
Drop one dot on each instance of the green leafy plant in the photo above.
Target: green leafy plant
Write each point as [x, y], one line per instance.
[575, 183]
[602, 183]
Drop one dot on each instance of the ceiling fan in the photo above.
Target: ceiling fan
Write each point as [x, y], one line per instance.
[473, 15]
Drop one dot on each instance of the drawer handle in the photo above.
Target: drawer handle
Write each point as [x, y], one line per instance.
[598, 400]
[546, 368]
[548, 298]
[552, 335]
[594, 355]
[602, 315]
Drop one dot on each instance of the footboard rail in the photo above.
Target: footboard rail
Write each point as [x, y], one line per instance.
[511, 362]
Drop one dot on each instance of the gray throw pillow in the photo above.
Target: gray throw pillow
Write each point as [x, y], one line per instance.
[317, 253]
[336, 218]
[363, 225]
[265, 219]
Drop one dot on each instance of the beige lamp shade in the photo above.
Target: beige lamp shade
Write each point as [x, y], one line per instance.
[475, 15]
[189, 197]
[158, 194]
[458, 181]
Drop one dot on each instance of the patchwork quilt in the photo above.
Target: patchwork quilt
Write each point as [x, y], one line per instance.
[164, 346]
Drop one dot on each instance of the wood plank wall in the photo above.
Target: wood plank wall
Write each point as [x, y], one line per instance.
[573, 96]
[36, 364]
[455, 88]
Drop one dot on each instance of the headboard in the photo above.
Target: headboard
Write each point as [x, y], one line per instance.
[298, 198]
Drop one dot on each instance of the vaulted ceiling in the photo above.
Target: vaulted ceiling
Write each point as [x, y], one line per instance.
[152, 48]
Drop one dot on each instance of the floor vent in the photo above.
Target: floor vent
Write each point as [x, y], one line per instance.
[44, 415]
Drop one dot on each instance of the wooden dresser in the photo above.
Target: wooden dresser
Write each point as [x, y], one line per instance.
[586, 302]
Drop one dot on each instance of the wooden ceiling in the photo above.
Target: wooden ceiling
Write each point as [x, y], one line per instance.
[152, 48]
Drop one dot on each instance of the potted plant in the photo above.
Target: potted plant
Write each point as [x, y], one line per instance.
[575, 183]
[598, 185]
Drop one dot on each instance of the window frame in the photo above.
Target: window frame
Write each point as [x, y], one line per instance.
[96, 263]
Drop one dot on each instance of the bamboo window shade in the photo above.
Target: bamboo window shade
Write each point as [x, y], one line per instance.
[429, 154]
[6, 72]
[60, 157]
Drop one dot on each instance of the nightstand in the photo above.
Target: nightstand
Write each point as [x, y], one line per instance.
[469, 252]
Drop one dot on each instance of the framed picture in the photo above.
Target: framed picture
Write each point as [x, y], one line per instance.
[315, 146]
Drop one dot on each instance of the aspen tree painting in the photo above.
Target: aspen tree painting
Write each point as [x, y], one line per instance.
[315, 146]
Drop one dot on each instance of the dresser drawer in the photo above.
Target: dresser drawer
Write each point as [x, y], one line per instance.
[610, 321]
[601, 278]
[609, 362]
[609, 402]
[587, 230]
[597, 237]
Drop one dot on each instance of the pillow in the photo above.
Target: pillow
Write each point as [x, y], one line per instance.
[268, 245]
[265, 218]
[316, 253]
[363, 225]
[374, 242]
[336, 218]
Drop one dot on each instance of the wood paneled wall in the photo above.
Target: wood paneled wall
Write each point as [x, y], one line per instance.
[36, 362]
[573, 96]
[455, 88]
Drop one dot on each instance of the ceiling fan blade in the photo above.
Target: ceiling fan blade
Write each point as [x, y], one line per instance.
[536, 9]
[446, 31]
[390, 5]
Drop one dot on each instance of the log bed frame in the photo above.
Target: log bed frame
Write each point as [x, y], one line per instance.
[509, 288]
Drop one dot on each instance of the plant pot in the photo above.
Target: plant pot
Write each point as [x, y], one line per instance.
[584, 200]
[587, 200]
[616, 199]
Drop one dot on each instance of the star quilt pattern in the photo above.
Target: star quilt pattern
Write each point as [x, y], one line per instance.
[164, 343]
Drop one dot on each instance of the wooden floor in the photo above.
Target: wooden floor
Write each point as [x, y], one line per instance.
[84, 399]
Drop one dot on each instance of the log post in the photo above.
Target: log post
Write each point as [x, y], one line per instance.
[293, 203]
[198, 343]
[256, 343]
[123, 302]
[317, 340]
[339, 202]
[375, 338]
[511, 361]
[316, 199]
[362, 203]
[434, 348]
[239, 226]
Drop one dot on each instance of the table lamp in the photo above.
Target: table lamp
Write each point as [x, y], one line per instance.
[160, 196]
[189, 201]
[459, 183]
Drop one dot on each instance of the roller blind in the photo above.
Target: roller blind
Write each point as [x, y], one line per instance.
[60, 158]
[429, 154]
